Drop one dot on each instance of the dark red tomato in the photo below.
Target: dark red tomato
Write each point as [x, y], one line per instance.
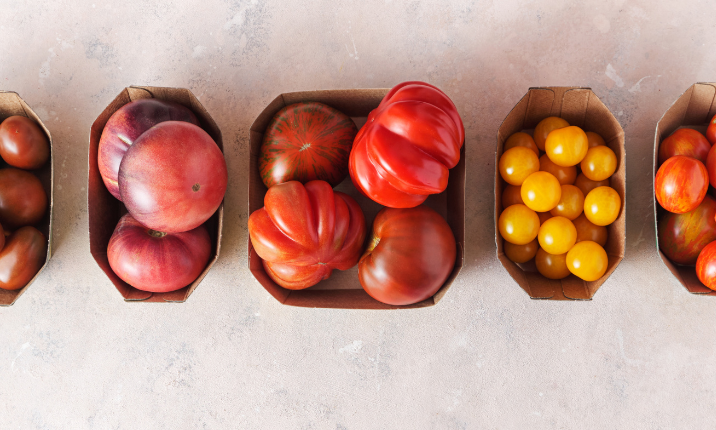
[410, 255]
[126, 125]
[303, 232]
[23, 144]
[22, 257]
[304, 142]
[684, 141]
[683, 236]
[154, 261]
[681, 184]
[706, 266]
[711, 131]
[22, 199]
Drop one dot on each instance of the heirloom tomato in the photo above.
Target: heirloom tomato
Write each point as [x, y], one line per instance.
[711, 166]
[516, 164]
[521, 253]
[571, 203]
[23, 143]
[599, 164]
[541, 191]
[586, 230]
[706, 266]
[595, 139]
[545, 127]
[684, 141]
[511, 196]
[567, 146]
[521, 139]
[565, 175]
[303, 232]
[405, 150]
[550, 265]
[23, 200]
[586, 185]
[681, 184]
[22, 257]
[557, 235]
[518, 224]
[711, 131]
[587, 261]
[683, 236]
[602, 205]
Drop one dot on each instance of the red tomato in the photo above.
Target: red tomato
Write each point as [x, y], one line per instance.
[711, 166]
[303, 232]
[684, 141]
[706, 266]
[23, 200]
[304, 142]
[409, 142]
[23, 143]
[681, 184]
[683, 236]
[22, 257]
[410, 255]
[711, 131]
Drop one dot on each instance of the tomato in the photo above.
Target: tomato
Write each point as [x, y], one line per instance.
[683, 236]
[706, 266]
[599, 164]
[594, 139]
[22, 257]
[711, 165]
[410, 255]
[23, 143]
[543, 216]
[565, 175]
[711, 131]
[304, 142]
[586, 230]
[587, 261]
[557, 235]
[303, 232]
[567, 146]
[571, 203]
[23, 200]
[511, 196]
[601, 206]
[681, 184]
[521, 139]
[545, 127]
[551, 266]
[405, 150]
[586, 185]
[521, 253]
[684, 141]
[517, 163]
[518, 224]
[541, 191]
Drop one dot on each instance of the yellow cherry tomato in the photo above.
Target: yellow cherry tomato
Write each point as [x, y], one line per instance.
[587, 261]
[601, 206]
[518, 224]
[541, 191]
[511, 196]
[543, 216]
[517, 163]
[565, 175]
[588, 231]
[551, 266]
[521, 253]
[570, 204]
[521, 139]
[586, 185]
[567, 146]
[599, 164]
[594, 139]
[557, 235]
[545, 127]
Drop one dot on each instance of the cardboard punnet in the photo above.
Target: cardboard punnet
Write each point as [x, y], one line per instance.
[580, 107]
[105, 210]
[343, 289]
[11, 104]
[693, 109]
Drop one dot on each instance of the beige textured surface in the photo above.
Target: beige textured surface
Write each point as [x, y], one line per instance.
[74, 355]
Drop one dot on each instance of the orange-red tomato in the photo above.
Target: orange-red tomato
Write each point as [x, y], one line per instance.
[511, 196]
[545, 127]
[601, 206]
[681, 184]
[570, 204]
[711, 165]
[551, 266]
[517, 163]
[711, 131]
[599, 164]
[521, 253]
[565, 175]
[586, 185]
[684, 141]
[706, 266]
[587, 260]
[521, 139]
[586, 230]
[557, 235]
[518, 224]
[567, 146]
[541, 191]
[594, 139]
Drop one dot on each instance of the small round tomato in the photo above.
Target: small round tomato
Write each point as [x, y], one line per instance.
[521, 139]
[567, 146]
[557, 235]
[711, 131]
[23, 143]
[706, 266]
[601, 206]
[681, 184]
[517, 163]
[543, 216]
[684, 141]
[570, 204]
[586, 230]
[545, 127]
[565, 175]
[711, 166]
[511, 196]
[594, 139]
[551, 266]
[599, 164]
[683, 236]
[521, 253]
[541, 191]
[23, 200]
[586, 185]
[518, 224]
[587, 261]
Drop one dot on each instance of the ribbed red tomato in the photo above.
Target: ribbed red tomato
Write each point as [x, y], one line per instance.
[684, 141]
[681, 184]
[410, 255]
[303, 232]
[683, 236]
[706, 266]
[409, 142]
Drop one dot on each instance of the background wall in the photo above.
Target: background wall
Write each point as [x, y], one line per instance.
[74, 355]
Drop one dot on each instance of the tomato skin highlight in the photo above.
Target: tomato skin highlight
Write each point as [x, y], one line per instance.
[681, 184]
[683, 236]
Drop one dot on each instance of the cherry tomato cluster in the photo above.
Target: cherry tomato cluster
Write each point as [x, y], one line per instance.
[557, 201]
